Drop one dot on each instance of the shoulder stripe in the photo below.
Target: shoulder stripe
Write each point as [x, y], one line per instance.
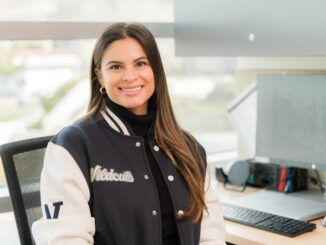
[118, 121]
[115, 123]
[109, 121]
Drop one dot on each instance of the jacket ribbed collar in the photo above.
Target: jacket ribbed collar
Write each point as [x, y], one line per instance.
[127, 123]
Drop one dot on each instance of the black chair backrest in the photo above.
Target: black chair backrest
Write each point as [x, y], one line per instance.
[22, 163]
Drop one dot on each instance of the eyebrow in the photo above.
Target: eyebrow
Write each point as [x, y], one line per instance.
[120, 62]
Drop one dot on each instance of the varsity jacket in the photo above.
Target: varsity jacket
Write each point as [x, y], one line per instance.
[97, 188]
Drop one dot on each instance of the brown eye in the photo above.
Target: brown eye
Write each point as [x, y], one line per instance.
[115, 67]
[141, 63]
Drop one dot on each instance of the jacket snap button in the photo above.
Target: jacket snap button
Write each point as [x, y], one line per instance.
[180, 212]
[156, 148]
[138, 144]
[154, 212]
[170, 178]
[146, 176]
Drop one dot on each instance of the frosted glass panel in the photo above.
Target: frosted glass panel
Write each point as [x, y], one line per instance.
[250, 27]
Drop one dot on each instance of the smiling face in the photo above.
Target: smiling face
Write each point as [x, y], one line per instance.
[127, 75]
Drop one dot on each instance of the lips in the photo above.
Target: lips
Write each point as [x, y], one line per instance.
[131, 91]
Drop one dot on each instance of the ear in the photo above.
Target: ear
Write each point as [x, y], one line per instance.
[99, 76]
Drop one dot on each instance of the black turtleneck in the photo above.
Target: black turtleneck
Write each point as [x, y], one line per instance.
[142, 125]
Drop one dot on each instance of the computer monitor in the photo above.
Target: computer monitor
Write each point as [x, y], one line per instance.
[291, 120]
[282, 119]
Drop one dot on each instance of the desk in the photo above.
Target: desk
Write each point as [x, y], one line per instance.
[246, 235]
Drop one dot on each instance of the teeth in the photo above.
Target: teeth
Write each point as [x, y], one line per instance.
[131, 89]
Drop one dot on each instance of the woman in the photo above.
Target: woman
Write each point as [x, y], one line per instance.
[127, 173]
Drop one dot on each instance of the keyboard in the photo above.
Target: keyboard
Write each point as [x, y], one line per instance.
[266, 221]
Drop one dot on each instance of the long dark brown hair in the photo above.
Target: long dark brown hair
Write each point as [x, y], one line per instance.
[179, 145]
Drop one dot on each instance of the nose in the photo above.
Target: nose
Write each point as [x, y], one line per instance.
[130, 74]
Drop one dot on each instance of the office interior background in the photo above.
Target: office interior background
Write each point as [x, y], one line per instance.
[45, 50]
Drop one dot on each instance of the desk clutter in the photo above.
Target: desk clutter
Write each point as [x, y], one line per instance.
[275, 177]
[271, 176]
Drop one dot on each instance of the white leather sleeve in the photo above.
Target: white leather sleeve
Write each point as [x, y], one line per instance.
[63, 181]
[212, 226]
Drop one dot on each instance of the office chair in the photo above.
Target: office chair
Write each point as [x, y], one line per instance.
[22, 163]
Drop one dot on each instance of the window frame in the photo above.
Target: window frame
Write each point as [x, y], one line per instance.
[35, 30]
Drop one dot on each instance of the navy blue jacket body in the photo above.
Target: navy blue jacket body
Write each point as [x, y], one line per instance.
[125, 212]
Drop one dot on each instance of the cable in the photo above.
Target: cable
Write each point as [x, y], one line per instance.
[320, 183]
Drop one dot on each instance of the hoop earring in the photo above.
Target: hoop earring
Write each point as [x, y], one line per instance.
[102, 90]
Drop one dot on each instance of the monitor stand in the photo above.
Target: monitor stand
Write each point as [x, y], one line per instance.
[303, 205]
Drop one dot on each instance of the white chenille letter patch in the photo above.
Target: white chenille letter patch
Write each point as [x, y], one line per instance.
[102, 174]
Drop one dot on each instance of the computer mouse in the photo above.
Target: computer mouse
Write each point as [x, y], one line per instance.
[324, 221]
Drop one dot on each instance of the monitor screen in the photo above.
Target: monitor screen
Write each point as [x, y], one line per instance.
[291, 120]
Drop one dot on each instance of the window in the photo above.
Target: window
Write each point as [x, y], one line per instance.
[40, 78]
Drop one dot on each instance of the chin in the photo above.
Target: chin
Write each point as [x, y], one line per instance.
[134, 103]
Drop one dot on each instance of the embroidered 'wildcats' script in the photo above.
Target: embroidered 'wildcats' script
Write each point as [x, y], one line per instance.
[102, 174]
